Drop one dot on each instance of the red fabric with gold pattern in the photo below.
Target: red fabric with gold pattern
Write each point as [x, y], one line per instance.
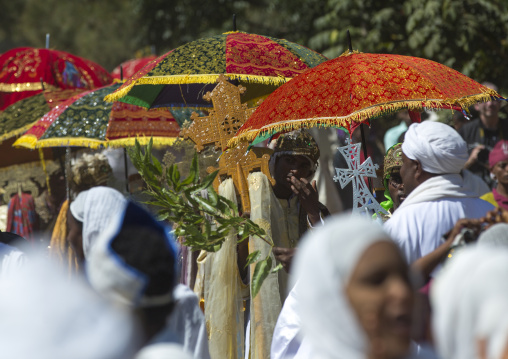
[258, 55]
[132, 121]
[354, 87]
[130, 67]
[55, 98]
[22, 70]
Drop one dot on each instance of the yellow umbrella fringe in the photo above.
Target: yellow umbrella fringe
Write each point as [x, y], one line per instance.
[16, 132]
[31, 142]
[43, 162]
[362, 115]
[143, 141]
[27, 141]
[191, 79]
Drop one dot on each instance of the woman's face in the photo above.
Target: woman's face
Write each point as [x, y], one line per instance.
[75, 236]
[500, 170]
[381, 296]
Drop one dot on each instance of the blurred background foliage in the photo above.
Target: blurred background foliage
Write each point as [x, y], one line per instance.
[471, 36]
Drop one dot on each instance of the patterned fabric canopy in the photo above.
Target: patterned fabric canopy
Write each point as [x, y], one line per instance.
[356, 87]
[20, 116]
[87, 120]
[130, 67]
[193, 69]
[26, 71]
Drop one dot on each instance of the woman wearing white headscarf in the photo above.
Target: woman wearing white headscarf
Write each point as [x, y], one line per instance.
[45, 315]
[353, 293]
[89, 215]
[470, 305]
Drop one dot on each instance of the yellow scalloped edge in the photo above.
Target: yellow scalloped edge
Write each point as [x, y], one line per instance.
[27, 141]
[31, 142]
[16, 132]
[191, 79]
[143, 141]
[361, 116]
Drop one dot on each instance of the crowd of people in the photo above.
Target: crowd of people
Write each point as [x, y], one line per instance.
[424, 280]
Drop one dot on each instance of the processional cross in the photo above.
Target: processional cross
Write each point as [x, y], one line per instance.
[363, 200]
[222, 123]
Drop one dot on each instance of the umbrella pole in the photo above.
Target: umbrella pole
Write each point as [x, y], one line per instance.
[364, 145]
[67, 172]
[126, 171]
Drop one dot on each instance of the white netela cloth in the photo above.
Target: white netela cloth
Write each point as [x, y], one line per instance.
[470, 302]
[95, 208]
[11, 260]
[432, 209]
[47, 315]
[322, 267]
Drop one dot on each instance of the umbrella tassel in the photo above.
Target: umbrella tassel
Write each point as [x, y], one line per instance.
[43, 163]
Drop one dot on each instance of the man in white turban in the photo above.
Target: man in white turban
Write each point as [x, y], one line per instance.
[438, 190]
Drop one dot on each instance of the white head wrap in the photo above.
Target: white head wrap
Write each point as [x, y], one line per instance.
[48, 316]
[323, 265]
[438, 147]
[497, 235]
[95, 208]
[77, 206]
[115, 279]
[470, 302]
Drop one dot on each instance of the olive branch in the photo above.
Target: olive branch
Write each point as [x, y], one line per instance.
[203, 223]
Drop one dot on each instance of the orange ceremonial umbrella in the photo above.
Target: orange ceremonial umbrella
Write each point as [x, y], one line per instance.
[356, 87]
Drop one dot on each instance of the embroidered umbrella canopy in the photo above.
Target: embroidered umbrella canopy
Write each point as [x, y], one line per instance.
[130, 67]
[87, 120]
[26, 71]
[182, 76]
[356, 87]
[20, 116]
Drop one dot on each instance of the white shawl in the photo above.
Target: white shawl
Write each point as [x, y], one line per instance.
[470, 302]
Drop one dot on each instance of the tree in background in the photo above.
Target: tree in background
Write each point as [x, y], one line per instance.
[470, 36]
[106, 32]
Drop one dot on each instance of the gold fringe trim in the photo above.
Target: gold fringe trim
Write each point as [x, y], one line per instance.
[192, 79]
[16, 132]
[31, 142]
[362, 115]
[27, 141]
[41, 156]
[143, 141]
[26, 86]
[348, 53]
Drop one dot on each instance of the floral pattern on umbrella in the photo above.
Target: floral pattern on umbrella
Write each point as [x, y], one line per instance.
[20, 116]
[26, 71]
[87, 120]
[356, 87]
[194, 68]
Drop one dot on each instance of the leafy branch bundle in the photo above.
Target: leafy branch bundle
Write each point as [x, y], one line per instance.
[203, 221]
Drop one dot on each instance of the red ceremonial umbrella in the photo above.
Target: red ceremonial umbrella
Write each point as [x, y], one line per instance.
[129, 68]
[26, 71]
[182, 76]
[356, 87]
[87, 120]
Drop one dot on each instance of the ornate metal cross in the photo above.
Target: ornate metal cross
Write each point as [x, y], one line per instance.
[222, 123]
[363, 200]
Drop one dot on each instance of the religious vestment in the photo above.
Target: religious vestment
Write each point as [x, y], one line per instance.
[431, 210]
